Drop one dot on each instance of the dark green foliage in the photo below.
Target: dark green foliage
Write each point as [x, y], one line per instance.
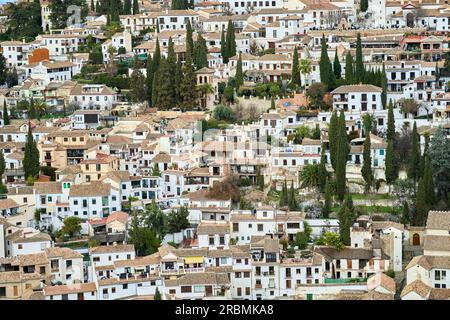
[178, 220]
[323, 174]
[60, 14]
[363, 5]
[12, 78]
[349, 72]
[225, 113]
[137, 85]
[342, 150]
[391, 164]
[31, 156]
[144, 239]
[2, 165]
[332, 135]
[157, 295]
[293, 205]
[165, 95]
[430, 197]
[366, 170]
[72, 226]
[201, 53]
[223, 47]
[189, 40]
[326, 70]
[390, 134]
[24, 20]
[3, 70]
[135, 6]
[127, 7]
[439, 152]
[326, 210]
[405, 219]
[302, 238]
[188, 90]
[230, 43]
[383, 87]
[337, 66]
[295, 77]
[239, 74]
[414, 158]
[421, 213]
[6, 120]
[359, 64]
[49, 171]
[346, 215]
[284, 197]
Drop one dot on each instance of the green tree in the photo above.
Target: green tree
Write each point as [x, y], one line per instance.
[189, 40]
[349, 72]
[405, 219]
[135, 7]
[157, 295]
[391, 163]
[165, 95]
[346, 216]
[414, 158]
[302, 238]
[359, 64]
[364, 5]
[32, 113]
[6, 120]
[127, 7]
[178, 220]
[284, 197]
[309, 176]
[421, 213]
[239, 74]
[326, 70]
[293, 205]
[156, 220]
[172, 66]
[332, 138]
[225, 113]
[2, 165]
[384, 87]
[230, 40]
[24, 20]
[430, 196]
[72, 226]
[144, 239]
[439, 152]
[366, 170]
[155, 170]
[337, 66]
[342, 150]
[31, 156]
[201, 53]
[390, 134]
[326, 209]
[188, 91]
[295, 77]
[322, 174]
[12, 78]
[316, 94]
[60, 12]
[138, 90]
[330, 239]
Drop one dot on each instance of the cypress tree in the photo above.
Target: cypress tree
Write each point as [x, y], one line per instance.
[414, 157]
[349, 73]
[189, 40]
[383, 81]
[230, 40]
[223, 47]
[188, 90]
[200, 53]
[326, 70]
[284, 196]
[322, 176]
[421, 213]
[31, 156]
[32, 113]
[6, 120]
[239, 74]
[295, 77]
[390, 134]
[135, 7]
[346, 216]
[178, 77]
[92, 6]
[172, 66]
[359, 64]
[364, 5]
[430, 196]
[149, 78]
[332, 138]
[292, 200]
[337, 66]
[405, 219]
[155, 88]
[326, 210]
[342, 150]
[127, 7]
[366, 169]
[165, 98]
[391, 166]
[2, 166]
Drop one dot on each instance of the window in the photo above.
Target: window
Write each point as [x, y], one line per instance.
[247, 291]
[211, 241]
[125, 286]
[239, 292]
[113, 289]
[186, 289]
[260, 227]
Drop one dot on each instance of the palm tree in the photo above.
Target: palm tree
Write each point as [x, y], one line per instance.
[309, 177]
[305, 67]
[41, 107]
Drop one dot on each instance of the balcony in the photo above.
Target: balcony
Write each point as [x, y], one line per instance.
[167, 272]
[258, 286]
[194, 270]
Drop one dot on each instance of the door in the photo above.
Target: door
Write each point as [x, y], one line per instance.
[416, 239]
[80, 296]
[217, 262]
[208, 291]
[309, 296]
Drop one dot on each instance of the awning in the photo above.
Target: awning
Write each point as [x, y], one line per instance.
[191, 260]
